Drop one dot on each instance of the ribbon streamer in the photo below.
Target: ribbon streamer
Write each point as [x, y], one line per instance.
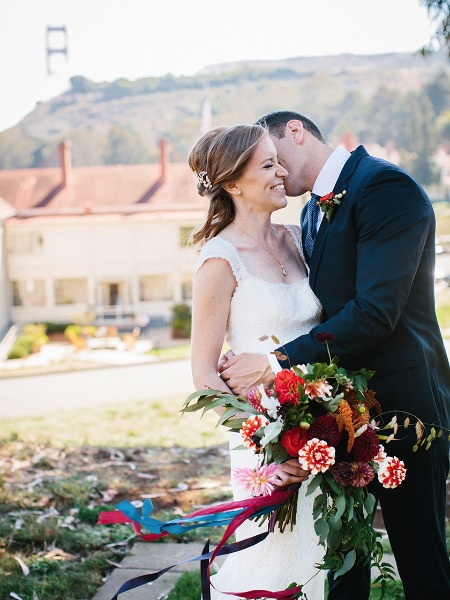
[232, 514]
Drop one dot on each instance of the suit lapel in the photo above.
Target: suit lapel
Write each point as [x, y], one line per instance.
[325, 226]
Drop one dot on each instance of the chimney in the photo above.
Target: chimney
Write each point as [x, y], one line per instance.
[163, 159]
[66, 163]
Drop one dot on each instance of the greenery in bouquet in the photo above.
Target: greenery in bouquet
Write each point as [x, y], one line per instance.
[331, 421]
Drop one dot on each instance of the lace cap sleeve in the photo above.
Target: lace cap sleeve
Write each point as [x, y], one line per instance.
[296, 233]
[217, 247]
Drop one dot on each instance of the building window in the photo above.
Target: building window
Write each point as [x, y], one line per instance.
[71, 291]
[25, 242]
[30, 292]
[155, 287]
[186, 287]
[185, 235]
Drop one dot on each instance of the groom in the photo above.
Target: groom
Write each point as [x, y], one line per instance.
[372, 268]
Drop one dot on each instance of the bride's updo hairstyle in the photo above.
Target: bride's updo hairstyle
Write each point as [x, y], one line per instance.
[219, 157]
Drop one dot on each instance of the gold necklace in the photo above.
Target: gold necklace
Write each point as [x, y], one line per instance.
[282, 267]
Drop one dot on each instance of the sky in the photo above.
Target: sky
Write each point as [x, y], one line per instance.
[108, 39]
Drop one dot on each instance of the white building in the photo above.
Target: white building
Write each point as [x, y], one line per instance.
[6, 211]
[106, 242]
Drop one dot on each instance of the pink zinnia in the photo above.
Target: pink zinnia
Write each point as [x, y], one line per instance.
[316, 456]
[249, 428]
[254, 398]
[258, 481]
[392, 472]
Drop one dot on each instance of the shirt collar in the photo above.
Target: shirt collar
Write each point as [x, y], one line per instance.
[330, 171]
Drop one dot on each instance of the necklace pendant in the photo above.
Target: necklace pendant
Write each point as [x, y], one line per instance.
[283, 270]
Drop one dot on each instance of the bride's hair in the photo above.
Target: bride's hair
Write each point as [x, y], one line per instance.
[219, 157]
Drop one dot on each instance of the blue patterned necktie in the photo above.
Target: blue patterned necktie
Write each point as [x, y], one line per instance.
[313, 216]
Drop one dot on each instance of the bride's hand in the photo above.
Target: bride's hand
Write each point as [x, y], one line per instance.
[290, 472]
[245, 371]
[223, 360]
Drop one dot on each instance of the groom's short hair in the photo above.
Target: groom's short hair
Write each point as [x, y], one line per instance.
[276, 123]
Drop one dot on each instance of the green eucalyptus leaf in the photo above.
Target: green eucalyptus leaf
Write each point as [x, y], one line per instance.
[322, 529]
[340, 507]
[369, 504]
[234, 424]
[349, 561]
[350, 505]
[319, 500]
[333, 483]
[334, 540]
[314, 484]
[227, 414]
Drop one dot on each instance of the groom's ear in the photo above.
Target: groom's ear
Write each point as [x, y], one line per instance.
[295, 130]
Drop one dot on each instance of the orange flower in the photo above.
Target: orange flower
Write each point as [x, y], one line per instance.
[249, 428]
[344, 420]
[286, 386]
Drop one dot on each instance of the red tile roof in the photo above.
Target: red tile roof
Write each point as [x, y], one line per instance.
[101, 189]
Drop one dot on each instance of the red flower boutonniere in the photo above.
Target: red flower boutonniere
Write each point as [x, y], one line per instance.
[327, 203]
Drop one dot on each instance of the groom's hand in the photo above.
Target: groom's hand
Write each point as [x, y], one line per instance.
[245, 371]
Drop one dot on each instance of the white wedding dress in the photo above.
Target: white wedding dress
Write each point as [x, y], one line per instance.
[260, 308]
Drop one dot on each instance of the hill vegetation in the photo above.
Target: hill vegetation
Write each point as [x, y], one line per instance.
[399, 98]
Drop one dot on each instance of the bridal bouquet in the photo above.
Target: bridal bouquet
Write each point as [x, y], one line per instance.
[327, 418]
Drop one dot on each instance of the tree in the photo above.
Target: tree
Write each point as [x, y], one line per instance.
[439, 12]
[126, 146]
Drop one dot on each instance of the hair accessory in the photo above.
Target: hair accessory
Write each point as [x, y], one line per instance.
[203, 178]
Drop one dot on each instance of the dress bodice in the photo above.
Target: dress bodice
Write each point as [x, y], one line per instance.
[261, 309]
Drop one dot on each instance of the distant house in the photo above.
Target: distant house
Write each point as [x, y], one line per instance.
[6, 211]
[108, 242]
[105, 243]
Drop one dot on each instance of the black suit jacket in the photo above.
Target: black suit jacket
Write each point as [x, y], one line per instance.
[372, 268]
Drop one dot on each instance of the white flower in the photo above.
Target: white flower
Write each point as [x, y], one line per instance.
[271, 432]
[269, 403]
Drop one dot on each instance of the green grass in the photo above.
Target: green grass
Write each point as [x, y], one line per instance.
[157, 422]
[443, 308]
[174, 352]
[188, 587]
[442, 219]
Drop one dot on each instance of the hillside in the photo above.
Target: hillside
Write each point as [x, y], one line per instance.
[121, 121]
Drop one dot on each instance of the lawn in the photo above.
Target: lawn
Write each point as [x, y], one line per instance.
[59, 471]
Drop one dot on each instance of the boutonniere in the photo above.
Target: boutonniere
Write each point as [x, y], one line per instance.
[327, 203]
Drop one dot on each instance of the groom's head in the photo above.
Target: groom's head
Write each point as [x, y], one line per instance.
[276, 122]
[301, 148]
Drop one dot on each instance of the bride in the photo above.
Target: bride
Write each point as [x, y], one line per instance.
[251, 283]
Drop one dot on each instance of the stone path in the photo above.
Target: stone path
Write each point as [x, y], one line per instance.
[150, 557]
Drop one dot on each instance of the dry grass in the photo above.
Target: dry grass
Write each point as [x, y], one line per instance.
[142, 423]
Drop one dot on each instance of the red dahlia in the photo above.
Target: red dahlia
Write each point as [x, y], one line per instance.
[362, 474]
[343, 473]
[366, 446]
[286, 386]
[325, 428]
[355, 474]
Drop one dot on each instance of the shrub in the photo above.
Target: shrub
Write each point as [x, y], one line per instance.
[181, 321]
[30, 340]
